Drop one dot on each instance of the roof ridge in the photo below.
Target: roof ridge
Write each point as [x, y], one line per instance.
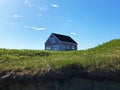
[64, 38]
[60, 34]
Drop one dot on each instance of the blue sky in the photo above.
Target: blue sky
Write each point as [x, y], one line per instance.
[26, 24]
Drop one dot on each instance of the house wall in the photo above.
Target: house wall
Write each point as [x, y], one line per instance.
[52, 43]
[68, 46]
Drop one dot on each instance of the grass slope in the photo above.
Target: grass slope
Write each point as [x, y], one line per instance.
[101, 59]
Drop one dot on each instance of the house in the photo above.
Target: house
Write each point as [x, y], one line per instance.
[60, 42]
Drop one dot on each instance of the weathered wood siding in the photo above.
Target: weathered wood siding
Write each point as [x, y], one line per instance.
[52, 43]
[68, 46]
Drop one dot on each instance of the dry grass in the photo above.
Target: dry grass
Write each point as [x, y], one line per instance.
[103, 58]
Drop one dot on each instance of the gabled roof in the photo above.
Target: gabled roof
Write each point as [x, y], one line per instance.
[64, 38]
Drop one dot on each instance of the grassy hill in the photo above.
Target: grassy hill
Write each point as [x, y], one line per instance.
[101, 61]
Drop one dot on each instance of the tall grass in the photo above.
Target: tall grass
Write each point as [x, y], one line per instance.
[103, 58]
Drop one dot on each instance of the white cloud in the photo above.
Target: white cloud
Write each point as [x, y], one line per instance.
[28, 3]
[42, 9]
[17, 16]
[73, 33]
[38, 28]
[55, 5]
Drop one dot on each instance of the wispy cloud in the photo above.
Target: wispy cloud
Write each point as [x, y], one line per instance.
[43, 9]
[28, 3]
[73, 33]
[38, 28]
[55, 5]
[17, 16]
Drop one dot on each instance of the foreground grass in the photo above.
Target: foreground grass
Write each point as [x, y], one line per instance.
[103, 58]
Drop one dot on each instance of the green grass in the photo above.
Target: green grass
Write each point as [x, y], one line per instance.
[103, 58]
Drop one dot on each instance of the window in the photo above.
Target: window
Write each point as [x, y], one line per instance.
[63, 47]
[48, 47]
[73, 47]
[68, 47]
[55, 47]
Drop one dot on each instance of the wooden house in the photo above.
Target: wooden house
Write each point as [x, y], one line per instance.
[60, 43]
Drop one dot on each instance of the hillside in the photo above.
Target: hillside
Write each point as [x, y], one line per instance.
[101, 62]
